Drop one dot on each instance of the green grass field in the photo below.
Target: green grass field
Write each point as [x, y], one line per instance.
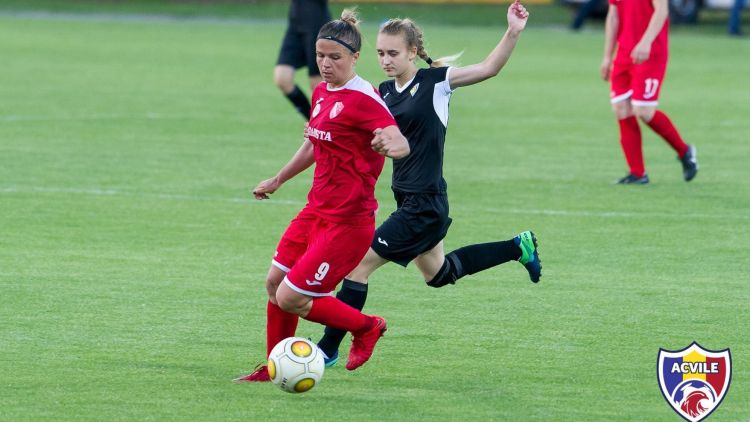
[132, 259]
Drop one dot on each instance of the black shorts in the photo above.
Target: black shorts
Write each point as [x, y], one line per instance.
[419, 223]
[298, 49]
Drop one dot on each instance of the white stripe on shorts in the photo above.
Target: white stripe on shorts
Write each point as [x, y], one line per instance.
[280, 266]
[621, 97]
[305, 292]
[644, 103]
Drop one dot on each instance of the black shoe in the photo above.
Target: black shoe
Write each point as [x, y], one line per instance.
[690, 163]
[632, 179]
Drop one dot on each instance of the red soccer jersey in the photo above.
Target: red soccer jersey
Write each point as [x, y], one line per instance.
[346, 167]
[634, 16]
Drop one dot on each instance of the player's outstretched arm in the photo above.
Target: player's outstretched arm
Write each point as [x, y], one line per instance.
[390, 142]
[301, 160]
[469, 75]
[642, 51]
[611, 24]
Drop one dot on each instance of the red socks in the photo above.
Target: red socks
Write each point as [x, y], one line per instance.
[661, 124]
[328, 310]
[630, 139]
[279, 325]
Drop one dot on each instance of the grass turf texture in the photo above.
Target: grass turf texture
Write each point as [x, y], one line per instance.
[132, 259]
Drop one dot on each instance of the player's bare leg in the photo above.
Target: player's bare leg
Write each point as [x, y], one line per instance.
[371, 262]
[430, 262]
[283, 77]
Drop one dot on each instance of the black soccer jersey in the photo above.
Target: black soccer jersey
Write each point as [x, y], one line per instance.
[306, 15]
[421, 111]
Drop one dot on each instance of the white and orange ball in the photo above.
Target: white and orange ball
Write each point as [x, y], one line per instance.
[296, 365]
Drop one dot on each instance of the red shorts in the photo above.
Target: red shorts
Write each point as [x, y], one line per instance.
[639, 82]
[317, 253]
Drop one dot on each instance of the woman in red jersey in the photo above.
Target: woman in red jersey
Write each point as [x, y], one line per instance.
[334, 230]
[640, 31]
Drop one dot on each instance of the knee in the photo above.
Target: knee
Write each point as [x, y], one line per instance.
[284, 81]
[444, 277]
[359, 275]
[622, 110]
[645, 114]
[272, 284]
[286, 305]
[293, 303]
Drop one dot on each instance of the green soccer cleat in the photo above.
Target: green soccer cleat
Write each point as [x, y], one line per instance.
[526, 241]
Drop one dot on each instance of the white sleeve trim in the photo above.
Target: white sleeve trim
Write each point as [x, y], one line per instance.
[441, 96]
[448, 88]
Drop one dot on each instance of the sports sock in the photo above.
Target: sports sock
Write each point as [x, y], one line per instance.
[353, 294]
[475, 258]
[279, 325]
[662, 125]
[630, 140]
[328, 310]
[300, 102]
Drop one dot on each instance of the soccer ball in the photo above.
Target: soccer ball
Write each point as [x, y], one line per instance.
[296, 364]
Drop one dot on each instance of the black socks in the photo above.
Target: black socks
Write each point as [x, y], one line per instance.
[475, 258]
[300, 102]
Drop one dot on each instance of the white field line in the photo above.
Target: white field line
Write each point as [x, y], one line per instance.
[115, 116]
[165, 196]
[274, 201]
[134, 18]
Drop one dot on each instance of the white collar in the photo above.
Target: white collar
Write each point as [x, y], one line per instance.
[344, 86]
[401, 89]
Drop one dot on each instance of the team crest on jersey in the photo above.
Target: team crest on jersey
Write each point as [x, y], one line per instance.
[336, 109]
[414, 90]
[316, 110]
[694, 380]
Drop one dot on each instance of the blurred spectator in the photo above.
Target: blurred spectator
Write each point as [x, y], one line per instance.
[583, 12]
[735, 18]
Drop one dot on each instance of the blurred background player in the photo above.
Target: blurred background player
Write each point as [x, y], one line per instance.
[331, 234]
[418, 99]
[640, 31]
[735, 18]
[306, 17]
[583, 12]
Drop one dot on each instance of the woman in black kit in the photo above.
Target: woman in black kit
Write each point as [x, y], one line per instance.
[418, 99]
[306, 17]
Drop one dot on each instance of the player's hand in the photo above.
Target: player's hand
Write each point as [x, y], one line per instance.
[606, 68]
[379, 142]
[640, 53]
[388, 146]
[517, 16]
[266, 187]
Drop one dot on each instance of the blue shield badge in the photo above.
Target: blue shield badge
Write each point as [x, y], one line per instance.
[694, 380]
